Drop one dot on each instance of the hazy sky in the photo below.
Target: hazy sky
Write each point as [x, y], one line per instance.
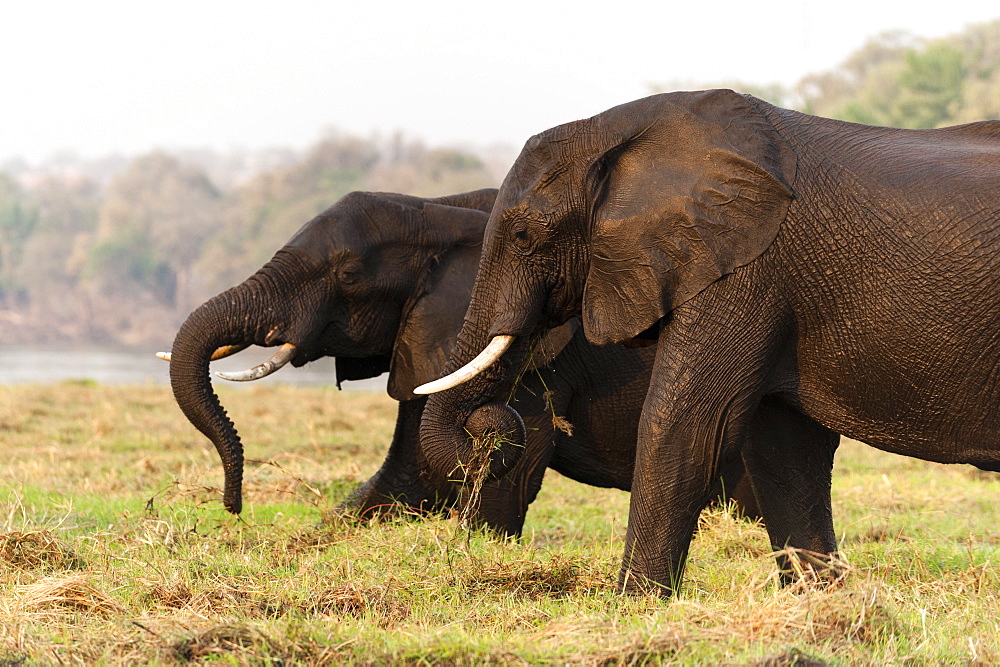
[124, 76]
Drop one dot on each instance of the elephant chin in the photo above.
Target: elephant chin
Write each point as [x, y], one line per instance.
[498, 436]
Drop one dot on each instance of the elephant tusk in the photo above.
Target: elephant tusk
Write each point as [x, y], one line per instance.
[221, 353]
[280, 358]
[227, 351]
[486, 358]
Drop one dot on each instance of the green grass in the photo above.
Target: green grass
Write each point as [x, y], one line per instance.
[114, 548]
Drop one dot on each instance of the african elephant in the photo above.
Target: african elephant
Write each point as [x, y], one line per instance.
[381, 282]
[845, 274]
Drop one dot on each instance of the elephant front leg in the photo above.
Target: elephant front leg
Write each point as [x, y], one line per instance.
[677, 464]
[697, 414]
[789, 459]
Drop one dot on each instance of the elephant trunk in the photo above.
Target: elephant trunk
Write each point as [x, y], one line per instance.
[468, 431]
[463, 445]
[223, 320]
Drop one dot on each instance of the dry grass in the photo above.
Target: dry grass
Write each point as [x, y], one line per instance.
[477, 470]
[37, 550]
[76, 594]
[114, 549]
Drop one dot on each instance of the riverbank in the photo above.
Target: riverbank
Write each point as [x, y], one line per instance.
[21, 364]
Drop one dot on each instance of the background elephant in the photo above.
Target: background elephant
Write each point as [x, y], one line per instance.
[381, 282]
[844, 274]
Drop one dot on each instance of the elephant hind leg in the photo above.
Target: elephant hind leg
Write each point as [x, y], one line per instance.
[789, 458]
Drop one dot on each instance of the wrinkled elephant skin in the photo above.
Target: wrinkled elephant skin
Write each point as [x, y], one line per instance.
[381, 282]
[839, 274]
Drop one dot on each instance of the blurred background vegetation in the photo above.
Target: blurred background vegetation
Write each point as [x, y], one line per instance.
[119, 250]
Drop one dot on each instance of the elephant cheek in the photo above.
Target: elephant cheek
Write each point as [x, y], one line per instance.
[517, 311]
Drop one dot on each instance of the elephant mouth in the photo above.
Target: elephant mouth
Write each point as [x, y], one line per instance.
[296, 354]
[278, 360]
[220, 353]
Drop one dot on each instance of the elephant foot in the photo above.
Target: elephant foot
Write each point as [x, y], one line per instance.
[800, 566]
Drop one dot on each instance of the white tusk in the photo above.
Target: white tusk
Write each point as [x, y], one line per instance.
[486, 358]
[280, 358]
[221, 353]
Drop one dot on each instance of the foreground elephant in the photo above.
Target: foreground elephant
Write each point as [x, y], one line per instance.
[381, 282]
[846, 274]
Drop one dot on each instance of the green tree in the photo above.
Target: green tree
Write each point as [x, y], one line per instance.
[17, 223]
[151, 226]
[931, 86]
[980, 45]
[898, 80]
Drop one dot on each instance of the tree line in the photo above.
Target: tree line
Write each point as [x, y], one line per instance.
[123, 260]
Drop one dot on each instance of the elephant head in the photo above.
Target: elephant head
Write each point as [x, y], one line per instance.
[377, 280]
[619, 218]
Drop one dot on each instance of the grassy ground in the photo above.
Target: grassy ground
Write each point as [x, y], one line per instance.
[114, 548]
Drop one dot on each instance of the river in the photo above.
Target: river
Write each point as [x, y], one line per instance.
[29, 364]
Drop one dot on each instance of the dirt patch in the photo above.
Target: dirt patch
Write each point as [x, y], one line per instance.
[246, 644]
[792, 658]
[559, 577]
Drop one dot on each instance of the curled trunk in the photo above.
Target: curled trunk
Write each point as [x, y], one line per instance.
[223, 320]
[469, 428]
[469, 433]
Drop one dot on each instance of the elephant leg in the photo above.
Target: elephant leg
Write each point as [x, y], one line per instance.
[399, 480]
[789, 459]
[696, 415]
[734, 487]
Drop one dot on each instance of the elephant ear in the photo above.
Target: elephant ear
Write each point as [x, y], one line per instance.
[350, 368]
[694, 186]
[434, 316]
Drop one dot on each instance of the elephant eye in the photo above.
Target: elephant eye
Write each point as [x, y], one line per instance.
[520, 237]
[350, 274]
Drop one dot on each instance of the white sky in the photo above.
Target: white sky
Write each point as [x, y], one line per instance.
[128, 76]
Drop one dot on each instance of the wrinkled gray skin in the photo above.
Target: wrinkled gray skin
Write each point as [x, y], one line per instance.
[381, 282]
[845, 275]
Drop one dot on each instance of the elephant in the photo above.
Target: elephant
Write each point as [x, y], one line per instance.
[381, 282]
[845, 275]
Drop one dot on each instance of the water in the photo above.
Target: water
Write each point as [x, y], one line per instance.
[24, 364]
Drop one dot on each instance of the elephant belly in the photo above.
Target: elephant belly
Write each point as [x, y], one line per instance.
[604, 387]
[601, 449]
[583, 459]
[920, 398]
